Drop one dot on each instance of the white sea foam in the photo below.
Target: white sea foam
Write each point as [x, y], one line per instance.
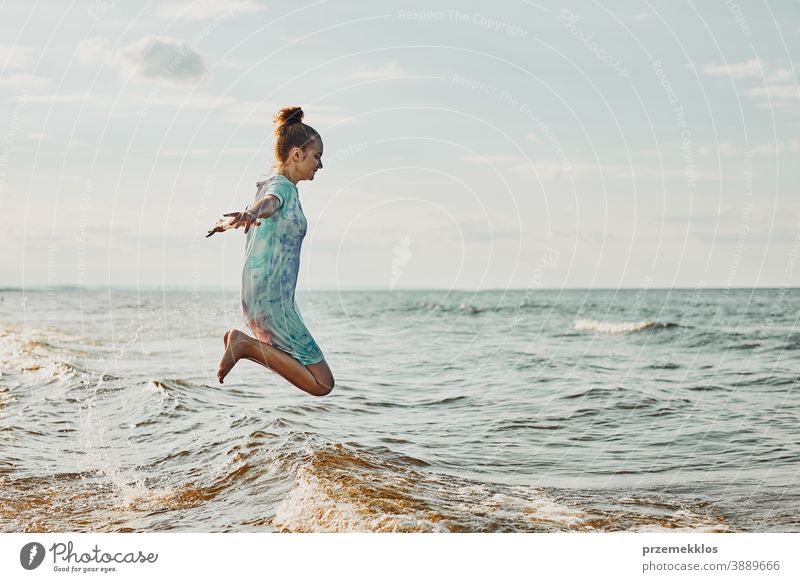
[612, 327]
[684, 520]
[312, 507]
[319, 504]
[534, 506]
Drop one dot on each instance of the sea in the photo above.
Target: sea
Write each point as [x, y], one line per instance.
[542, 410]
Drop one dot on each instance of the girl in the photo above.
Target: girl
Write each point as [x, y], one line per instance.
[272, 260]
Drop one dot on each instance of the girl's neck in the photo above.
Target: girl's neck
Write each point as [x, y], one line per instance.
[288, 174]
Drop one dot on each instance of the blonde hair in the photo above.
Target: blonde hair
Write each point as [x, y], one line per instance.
[290, 132]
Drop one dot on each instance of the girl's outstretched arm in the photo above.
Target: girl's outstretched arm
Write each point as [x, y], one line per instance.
[263, 208]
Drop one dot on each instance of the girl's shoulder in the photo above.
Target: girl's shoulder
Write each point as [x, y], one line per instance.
[278, 185]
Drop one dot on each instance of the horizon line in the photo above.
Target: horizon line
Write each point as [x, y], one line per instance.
[209, 288]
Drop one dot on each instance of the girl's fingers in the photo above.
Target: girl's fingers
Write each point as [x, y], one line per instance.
[240, 219]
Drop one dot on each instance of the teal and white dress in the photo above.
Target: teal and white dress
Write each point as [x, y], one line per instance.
[269, 277]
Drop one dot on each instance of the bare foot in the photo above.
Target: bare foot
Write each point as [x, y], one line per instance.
[233, 352]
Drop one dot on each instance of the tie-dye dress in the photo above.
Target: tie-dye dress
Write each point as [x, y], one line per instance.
[269, 277]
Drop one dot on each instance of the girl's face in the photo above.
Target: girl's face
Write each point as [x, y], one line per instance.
[312, 161]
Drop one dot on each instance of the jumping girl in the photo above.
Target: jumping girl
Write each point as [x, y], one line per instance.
[275, 226]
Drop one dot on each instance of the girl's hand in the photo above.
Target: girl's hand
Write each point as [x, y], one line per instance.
[238, 219]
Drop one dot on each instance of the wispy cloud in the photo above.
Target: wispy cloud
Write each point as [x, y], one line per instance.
[92, 50]
[164, 58]
[386, 71]
[780, 76]
[152, 57]
[751, 69]
[492, 159]
[205, 152]
[777, 90]
[24, 81]
[206, 9]
[260, 114]
[729, 149]
[15, 56]
[771, 149]
[202, 101]
[67, 98]
[532, 137]
[776, 97]
[723, 149]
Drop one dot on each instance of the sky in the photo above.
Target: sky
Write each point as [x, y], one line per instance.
[467, 145]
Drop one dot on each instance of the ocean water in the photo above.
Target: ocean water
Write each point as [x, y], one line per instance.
[454, 411]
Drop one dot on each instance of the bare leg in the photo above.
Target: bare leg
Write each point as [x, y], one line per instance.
[316, 379]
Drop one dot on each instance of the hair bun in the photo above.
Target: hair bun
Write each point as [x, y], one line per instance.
[291, 132]
[288, 116]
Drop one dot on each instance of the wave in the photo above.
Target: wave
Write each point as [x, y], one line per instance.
[350, 488]
[624, 327]
[755, 341]
[467, 308]
[303, 484]
[342, 488]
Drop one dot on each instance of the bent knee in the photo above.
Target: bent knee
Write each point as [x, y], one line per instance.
[323, 388]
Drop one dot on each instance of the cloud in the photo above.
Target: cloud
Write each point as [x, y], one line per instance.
[775, 97]
[206, 9]
[24, 81]
[163, 58]
[557, 170]
[16, 56]
[392, 69]
[206, 152]
[552, 169]
[19, 57]
[771, 149]
[202, 101]
[723, 149]
[92, 50]
[492, 159]
[151, 57]
[778, 92]
[746, 70]
[777, 105]
[63, 98]
[780, 76]
[531, 136]
[260, 114]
